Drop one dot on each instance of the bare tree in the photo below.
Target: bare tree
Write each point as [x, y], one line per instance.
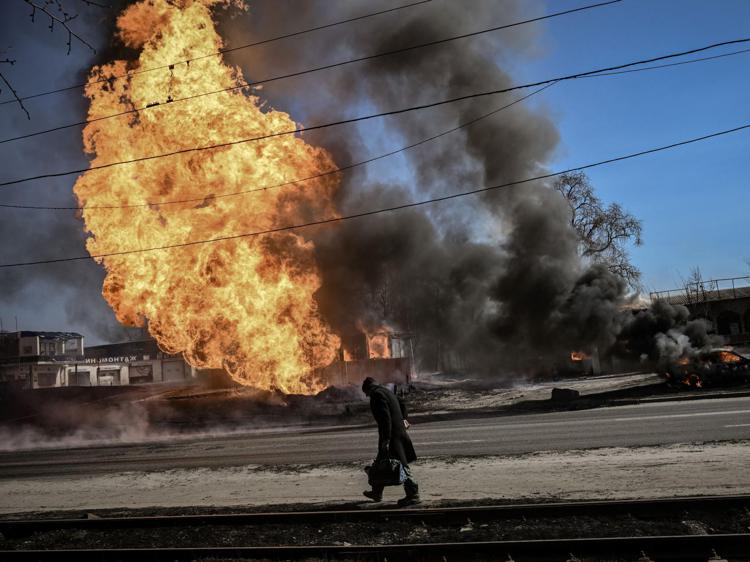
[695, 277]
[603, 231]
[56, 13]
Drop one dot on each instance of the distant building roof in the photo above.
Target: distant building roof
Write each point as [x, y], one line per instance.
[139, 348]
[134, 344]
[50, 335]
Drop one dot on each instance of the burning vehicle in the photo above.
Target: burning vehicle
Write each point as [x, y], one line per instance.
[712, 368]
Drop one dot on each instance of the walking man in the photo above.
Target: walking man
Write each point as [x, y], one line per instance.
[393, 441]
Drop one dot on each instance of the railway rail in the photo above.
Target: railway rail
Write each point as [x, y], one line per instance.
[686, 548]
[689, 548]
[15, 527]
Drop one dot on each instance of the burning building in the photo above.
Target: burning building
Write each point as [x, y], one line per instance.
[382, 354]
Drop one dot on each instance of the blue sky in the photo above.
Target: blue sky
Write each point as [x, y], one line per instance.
[693, 201]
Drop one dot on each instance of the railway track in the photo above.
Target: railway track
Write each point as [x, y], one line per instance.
[700, 548]
[15, 527]
[686, 548]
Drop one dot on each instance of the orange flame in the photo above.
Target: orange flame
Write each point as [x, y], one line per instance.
[726, 357]
[578, 356]
[245, 305]
[377, 345]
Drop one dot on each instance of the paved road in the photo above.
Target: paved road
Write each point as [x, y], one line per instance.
[646, 424]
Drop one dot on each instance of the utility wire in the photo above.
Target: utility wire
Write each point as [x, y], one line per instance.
[384, 209]
[363, 162]
[372, 116]
[217, 53]
[293, 182]
[658, 66]
[303, 72]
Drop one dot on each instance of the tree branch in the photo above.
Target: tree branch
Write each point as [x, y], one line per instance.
[15, 95]
[602, 231]
[90, 3]
[66, 17]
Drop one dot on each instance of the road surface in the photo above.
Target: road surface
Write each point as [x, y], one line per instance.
[660, 423]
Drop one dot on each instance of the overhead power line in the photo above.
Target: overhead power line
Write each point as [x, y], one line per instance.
[170, 101]
[374, 115]
[671, 64]
[384, 209]
[217, 53]
[362, 162]
[336, 170]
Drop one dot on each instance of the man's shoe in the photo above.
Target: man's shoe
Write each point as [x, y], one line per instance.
[372, 495]
[409, 501]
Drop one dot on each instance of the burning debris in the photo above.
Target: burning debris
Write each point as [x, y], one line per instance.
[715, 367]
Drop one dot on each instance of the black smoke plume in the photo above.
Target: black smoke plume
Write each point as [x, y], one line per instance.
[492, 282]
[664, 332]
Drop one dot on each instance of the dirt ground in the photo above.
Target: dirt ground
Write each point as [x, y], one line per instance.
[643, 472]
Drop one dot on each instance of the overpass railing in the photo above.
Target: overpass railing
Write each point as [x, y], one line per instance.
[704, 291]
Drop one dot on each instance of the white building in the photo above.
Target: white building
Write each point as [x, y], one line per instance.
[54, 359]
[38, 359]
[140, 362]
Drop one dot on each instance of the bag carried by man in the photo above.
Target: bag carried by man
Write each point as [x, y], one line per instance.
[385, 472]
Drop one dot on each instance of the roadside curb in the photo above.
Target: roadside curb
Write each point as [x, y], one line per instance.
[583, 403]
[684, 398]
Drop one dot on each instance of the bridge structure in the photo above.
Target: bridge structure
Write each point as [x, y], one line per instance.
[723, 302]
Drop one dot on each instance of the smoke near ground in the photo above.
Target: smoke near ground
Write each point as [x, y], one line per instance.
[665, 332]
[85, 416]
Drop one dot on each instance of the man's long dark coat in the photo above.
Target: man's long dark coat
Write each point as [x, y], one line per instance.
[389, 412]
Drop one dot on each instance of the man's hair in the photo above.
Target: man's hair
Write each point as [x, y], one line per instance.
[367, 384]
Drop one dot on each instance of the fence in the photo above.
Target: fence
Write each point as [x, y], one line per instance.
[704, 291]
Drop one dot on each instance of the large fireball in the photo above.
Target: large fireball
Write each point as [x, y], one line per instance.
[248, 304]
